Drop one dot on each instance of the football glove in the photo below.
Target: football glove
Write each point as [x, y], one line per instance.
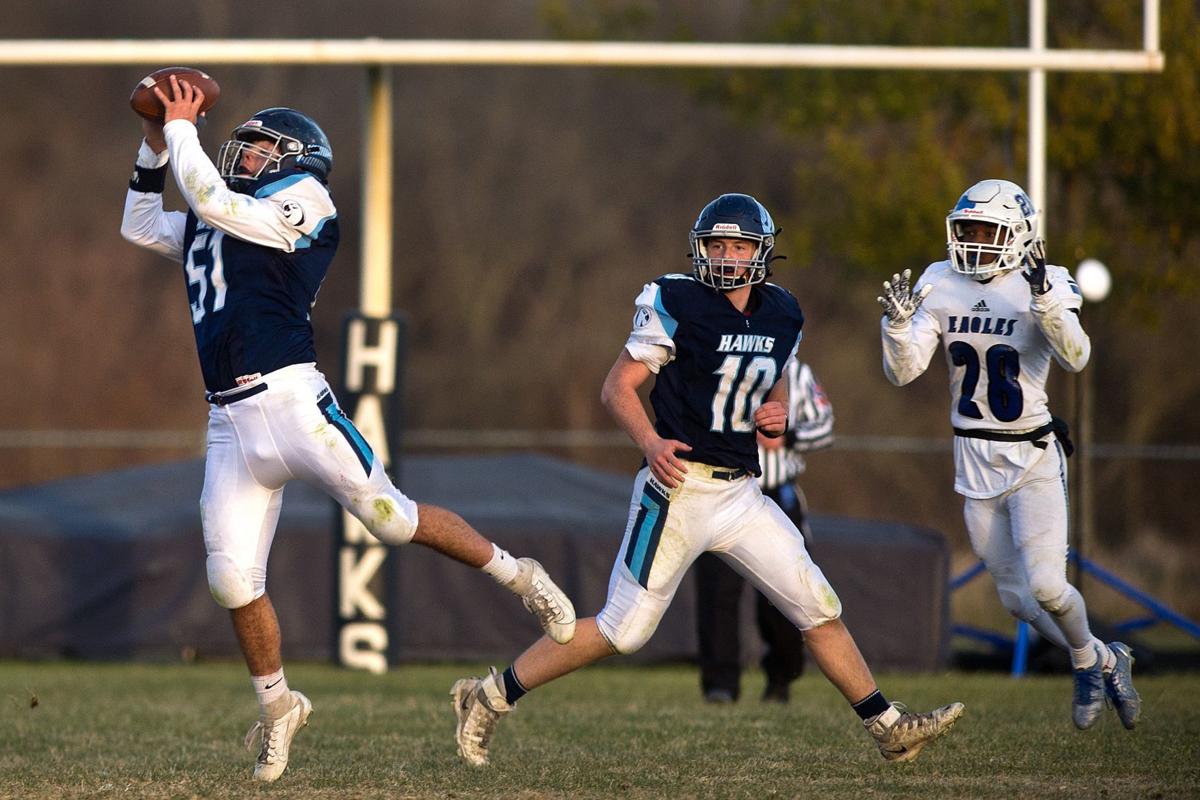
[1034, 270]
[898, 301]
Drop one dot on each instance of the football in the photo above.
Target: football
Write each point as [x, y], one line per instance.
[146, 104]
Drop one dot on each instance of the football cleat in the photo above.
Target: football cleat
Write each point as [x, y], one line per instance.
[1118, 685]
[544, 600]
[478, 704]
[1088, 701]
[908, 733]
[276, 738]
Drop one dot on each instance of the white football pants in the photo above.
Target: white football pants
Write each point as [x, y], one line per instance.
[669, 528]
[1021, 537]
[292, 430]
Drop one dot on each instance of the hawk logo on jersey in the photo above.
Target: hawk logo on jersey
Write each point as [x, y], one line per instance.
[293, 212]
[642, 318]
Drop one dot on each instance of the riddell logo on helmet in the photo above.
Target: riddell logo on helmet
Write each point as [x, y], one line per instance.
[731, 227]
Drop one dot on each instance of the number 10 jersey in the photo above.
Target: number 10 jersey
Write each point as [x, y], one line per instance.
[715, 364]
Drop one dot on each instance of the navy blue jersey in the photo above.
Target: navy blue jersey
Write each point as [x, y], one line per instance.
[250, 302]
[715, 364]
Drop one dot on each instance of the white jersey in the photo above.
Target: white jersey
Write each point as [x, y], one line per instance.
[999, 341]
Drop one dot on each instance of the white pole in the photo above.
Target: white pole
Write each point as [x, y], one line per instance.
[1037, 111]
[375, 285]
[209, 52]
[1150, 25]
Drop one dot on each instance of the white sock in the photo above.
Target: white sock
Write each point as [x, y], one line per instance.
[1084, 657]
[269, 688]
[503, 567]
[1110, 659]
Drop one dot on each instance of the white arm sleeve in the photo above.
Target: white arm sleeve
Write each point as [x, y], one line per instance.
[1056, 317]
[144, 222]
[288, 214]
[907, 348]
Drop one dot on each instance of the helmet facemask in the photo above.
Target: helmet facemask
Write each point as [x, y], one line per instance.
[277, 151]
[726, 274]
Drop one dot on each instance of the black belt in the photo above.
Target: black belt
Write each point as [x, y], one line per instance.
[1056, 426]
[234, 395]
[729, 475]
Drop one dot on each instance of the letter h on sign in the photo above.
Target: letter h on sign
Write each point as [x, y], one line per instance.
[373, 358]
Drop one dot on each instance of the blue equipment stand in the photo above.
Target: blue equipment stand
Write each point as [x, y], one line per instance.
[1019, 643]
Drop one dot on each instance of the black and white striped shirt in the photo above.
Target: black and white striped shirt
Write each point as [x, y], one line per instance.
[810, 427]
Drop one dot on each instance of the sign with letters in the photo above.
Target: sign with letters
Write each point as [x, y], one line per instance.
[372, 372]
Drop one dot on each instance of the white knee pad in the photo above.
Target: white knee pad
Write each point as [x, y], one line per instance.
[1009, 577]
[1050, 588]
[390, 517]
[230, 585]
[626, 639]
[1058, 601]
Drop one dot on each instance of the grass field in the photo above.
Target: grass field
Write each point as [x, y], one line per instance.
[174, 731]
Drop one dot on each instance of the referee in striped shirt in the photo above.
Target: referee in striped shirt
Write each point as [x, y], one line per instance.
[719, 587]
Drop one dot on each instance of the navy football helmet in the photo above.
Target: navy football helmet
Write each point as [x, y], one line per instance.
[284, 138]
[733, 216]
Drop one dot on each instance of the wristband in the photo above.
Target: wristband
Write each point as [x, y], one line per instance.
[148, 179]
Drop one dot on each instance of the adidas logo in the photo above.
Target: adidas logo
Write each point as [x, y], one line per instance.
[981, 306]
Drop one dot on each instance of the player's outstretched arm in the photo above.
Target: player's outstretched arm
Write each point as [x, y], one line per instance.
[1056, 312]
[620, 396]
[899, 301]
[909, 338]
[266, 221]
[144, 222]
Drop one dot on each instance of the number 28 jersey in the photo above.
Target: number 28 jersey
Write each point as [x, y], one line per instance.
[998, 344]
[715, 364]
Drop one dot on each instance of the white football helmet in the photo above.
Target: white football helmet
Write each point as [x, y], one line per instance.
[999, 203]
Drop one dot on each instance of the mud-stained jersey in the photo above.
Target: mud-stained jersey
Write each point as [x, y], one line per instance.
[998, 342]
[715, 365]
[252, 263]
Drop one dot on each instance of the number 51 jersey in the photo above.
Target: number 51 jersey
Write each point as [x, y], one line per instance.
[715, 364]
[251, 287]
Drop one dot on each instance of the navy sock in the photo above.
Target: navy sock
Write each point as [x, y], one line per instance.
[872, 705]
[511, 684]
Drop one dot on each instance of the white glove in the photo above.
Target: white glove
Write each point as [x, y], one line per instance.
[898, 301]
